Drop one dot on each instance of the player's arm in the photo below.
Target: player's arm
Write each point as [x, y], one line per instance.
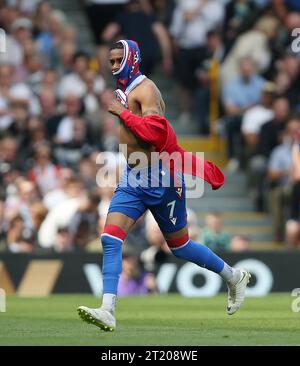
[150, 127]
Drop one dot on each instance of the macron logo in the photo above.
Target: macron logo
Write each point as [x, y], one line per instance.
[173, 220]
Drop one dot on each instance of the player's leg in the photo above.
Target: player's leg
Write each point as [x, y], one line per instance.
[125, 208]
[184, 247]
[114, 233]
[236, 279]
[171, 217]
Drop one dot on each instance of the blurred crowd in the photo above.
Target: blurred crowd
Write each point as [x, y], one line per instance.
[54, 123]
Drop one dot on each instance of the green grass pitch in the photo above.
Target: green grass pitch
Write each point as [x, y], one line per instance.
[170, 320]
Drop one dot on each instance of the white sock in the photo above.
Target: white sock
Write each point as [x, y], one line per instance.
[109, 302]
[230, 274]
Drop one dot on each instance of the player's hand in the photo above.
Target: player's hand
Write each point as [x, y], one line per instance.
[116, 108]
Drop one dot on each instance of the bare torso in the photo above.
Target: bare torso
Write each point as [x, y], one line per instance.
[144, 100]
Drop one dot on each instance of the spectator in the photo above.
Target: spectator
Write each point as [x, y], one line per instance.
[109, 129]
[134, 23]
[90, 100]
[69, 152]
[25, 6]
[3, 226]
[49, 111]
[43, 172]
[256, 117]
[34, 71]
[212, 55]
[68, 35]
[66, 55]
[61, 215]
[287, 77]
[67, 187]
[63, 241]
[240, 243]
[83, 228]
[271, 131]
[19, 126]
[73, 109]
[269, 138]
[292, 227]
[158, 250]
[74, 82]
[20, 201]
[8, 14]
[50, 80]
[255, 44]
[17, 92]
[87, 172]
[239, 95]
[280, 174]
[190, 23]
[38, 213]
[213, 234]
[8, 179]
[9, 152]
[100, 13]
[134, 280]
[19, 239]
[41, 16]
[239, 15]
[20, 30]
[292, 234]
[48, 40]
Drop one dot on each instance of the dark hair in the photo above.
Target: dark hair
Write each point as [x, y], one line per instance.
[80, 54]
[116, 45]
[213, 32]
